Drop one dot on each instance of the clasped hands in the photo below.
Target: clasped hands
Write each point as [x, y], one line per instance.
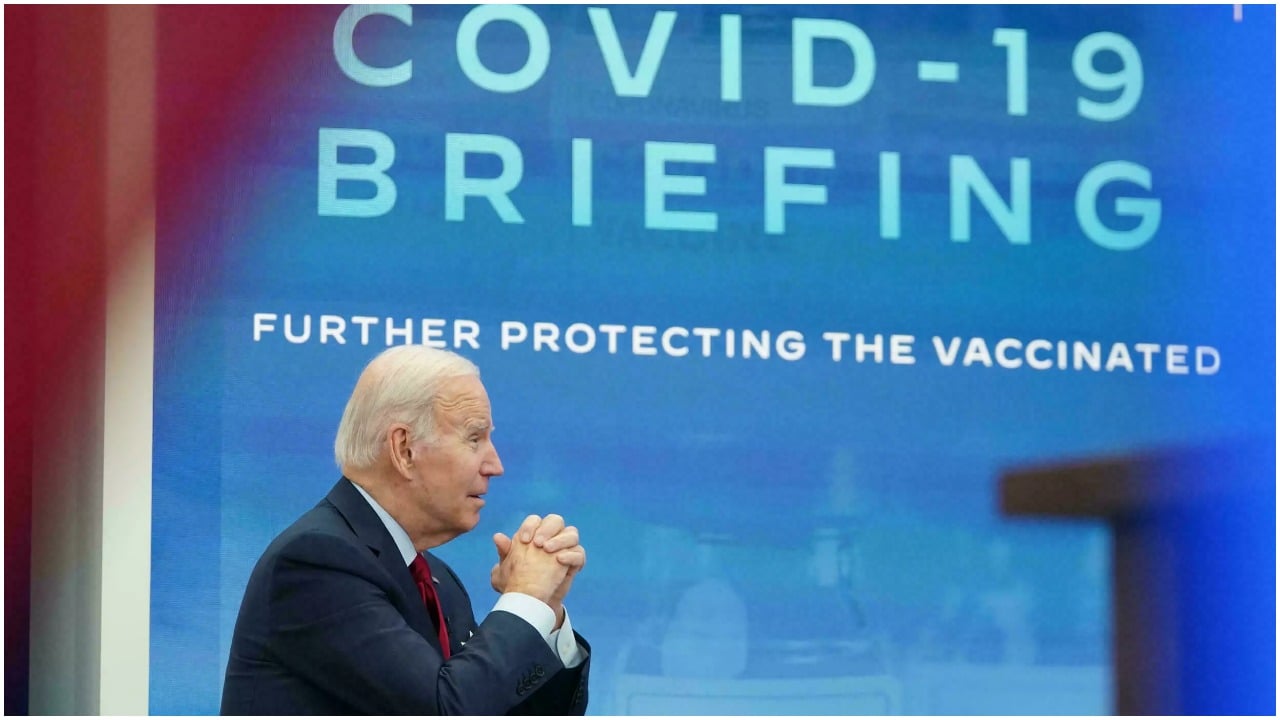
[540, 559]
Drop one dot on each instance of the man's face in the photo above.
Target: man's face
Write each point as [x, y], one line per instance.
[451, 473]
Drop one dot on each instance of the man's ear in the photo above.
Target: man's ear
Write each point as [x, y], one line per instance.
[400, 450]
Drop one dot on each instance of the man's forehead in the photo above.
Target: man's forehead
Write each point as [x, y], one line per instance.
[463, 396]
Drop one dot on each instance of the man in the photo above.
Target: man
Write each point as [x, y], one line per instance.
[346, 613]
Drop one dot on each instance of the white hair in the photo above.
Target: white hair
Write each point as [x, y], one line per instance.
[398, 386]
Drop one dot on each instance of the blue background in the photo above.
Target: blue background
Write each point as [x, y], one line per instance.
[764, 527]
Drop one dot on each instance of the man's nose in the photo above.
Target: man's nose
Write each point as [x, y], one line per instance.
[492, 466]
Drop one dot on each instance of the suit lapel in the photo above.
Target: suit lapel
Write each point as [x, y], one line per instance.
[454, 603]
[369, 529]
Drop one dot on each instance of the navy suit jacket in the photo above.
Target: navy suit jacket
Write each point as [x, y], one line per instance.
[332, 623]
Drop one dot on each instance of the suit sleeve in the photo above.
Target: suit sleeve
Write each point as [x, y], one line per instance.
[564, 692]
[333, 623]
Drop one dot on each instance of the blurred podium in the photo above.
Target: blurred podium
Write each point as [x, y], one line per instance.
[984, 689]
[655, 695]
[1193, 563]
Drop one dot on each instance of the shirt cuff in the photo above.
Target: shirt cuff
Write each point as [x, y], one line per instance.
[543, 619]
[530, 609]
[565, 643]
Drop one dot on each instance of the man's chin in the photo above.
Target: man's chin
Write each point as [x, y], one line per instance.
[472, 518]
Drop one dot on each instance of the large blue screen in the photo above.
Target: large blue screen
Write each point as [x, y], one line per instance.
[765, 299]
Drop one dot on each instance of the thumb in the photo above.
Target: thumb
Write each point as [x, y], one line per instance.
[503, 544]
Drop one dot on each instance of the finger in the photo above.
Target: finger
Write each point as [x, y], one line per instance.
[527, 527]
[551, 525]
[503, 544]
[566, 538]
[574, 558]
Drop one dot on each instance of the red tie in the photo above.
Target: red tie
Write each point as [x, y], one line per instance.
[422, 575]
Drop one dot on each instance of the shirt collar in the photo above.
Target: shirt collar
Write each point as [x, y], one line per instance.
[403, 543]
